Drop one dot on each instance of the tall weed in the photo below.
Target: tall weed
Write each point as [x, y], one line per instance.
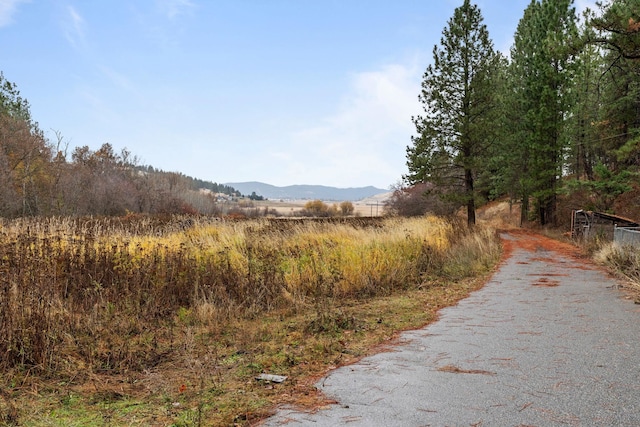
[625, 260]
[109, 295]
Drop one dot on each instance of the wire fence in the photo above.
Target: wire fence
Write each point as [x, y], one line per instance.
[627, 236]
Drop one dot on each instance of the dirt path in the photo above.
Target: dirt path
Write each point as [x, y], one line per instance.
[550, 340]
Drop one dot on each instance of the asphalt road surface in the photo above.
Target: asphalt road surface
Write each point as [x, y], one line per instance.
[549, 341]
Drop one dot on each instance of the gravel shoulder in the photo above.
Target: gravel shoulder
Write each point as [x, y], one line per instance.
[550, 340]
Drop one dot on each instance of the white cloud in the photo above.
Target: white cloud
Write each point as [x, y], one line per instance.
[7, 9]
[74, 27]
[364, 142]
[175, 8]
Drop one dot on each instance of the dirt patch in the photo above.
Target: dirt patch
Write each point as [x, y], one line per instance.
[530, 241]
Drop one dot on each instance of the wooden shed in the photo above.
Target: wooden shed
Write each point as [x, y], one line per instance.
[588, 224]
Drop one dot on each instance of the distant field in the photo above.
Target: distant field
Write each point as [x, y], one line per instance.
[373, 206]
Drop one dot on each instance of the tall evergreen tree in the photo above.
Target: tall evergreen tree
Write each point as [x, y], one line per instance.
[494, 179]
[618, 30]
[542, 66]
[582, 131]
[457, 98]
[619, 27]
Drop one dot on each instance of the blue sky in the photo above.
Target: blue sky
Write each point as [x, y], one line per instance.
[279, 91]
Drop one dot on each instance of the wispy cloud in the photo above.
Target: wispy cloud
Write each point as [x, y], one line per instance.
[165, 24]
[74, 27]
[364, 141]
[117, 79]
[175, 8]
[7, 9]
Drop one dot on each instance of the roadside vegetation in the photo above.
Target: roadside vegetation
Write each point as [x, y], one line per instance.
[139, 321]
[623, 260]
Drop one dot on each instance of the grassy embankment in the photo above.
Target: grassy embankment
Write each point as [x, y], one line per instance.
[139, 322]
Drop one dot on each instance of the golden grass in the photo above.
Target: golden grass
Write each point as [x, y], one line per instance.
[624, 261]
[168, 322]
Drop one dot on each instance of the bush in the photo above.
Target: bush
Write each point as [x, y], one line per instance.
[346, 208]
[417, 200]
[318, 208]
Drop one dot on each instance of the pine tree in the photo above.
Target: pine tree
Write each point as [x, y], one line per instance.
[619, 28]
[457, 97]
[618, 31]
[541, 69]
[585, 150]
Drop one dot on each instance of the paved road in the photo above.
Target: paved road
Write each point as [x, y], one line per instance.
[547, 342]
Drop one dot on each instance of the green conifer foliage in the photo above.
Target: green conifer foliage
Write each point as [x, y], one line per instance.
[457, 98]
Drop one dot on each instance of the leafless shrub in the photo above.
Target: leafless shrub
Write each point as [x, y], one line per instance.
[417, 200]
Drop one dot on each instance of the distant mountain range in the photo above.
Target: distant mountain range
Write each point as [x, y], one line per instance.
[305, 192]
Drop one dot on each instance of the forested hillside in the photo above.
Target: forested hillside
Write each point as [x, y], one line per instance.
[556, 125]
[41, 177]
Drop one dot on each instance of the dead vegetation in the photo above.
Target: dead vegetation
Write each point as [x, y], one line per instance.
[169, 321]
[625, 262]
[142, 321]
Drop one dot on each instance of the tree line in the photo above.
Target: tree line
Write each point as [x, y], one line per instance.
[40, 177]
[559, 114]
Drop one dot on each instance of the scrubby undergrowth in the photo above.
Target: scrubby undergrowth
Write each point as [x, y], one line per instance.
[170, 321]
[624, 260]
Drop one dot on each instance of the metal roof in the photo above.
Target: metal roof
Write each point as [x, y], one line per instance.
[618, 220]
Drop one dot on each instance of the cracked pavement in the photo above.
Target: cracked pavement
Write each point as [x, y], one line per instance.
[550, 340]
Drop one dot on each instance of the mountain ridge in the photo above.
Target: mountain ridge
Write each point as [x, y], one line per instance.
[305, 192]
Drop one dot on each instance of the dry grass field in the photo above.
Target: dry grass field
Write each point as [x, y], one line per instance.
[372, 206]
[150, 321]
